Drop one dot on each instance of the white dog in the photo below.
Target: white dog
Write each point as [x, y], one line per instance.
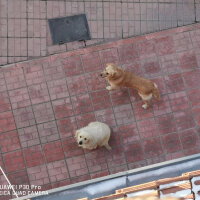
[93, 135]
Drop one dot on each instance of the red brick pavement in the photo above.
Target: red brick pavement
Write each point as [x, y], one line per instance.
[44, 101]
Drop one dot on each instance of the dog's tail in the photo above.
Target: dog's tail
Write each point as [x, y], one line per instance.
[155, 92]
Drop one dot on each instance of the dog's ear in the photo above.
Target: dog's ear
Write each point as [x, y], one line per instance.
[76, 134]
[109, 64]
[113, 73]
[91, 140]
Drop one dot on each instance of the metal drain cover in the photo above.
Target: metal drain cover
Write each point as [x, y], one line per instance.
[69, 29]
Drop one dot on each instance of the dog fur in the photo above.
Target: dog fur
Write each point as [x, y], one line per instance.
[117, 77]
[94, 135]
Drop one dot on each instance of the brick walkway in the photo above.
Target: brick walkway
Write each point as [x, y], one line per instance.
[44, 101]
[24, 32]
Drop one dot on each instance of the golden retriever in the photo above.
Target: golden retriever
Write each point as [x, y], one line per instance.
[117, 77]
[94, 135]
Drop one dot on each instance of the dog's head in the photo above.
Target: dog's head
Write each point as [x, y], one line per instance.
[82, 137]
[111, 71]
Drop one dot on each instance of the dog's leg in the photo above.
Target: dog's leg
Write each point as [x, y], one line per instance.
[146, 99]
[146, 104]
[91, 147]
[108, 147]
[156, 93]
[111, 87]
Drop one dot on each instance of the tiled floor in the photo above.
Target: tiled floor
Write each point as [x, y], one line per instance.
[44, 101]
[24, 32]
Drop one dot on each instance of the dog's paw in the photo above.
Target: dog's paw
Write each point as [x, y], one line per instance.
[108, 147]
[109, 88]
[145, 106]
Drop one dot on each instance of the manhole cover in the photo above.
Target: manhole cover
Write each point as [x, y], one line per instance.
[69, 29]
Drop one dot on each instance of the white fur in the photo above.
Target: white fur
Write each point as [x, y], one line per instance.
[144, 106]
[146, 97]
[155, 85]
[96, 134]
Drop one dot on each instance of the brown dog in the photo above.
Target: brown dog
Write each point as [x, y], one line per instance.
[117, 77]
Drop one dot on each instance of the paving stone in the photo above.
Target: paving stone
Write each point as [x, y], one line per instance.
[14, 161]
[7, 121]
[38, 175]
[174, 83]
[99, 174]
[4, 103]
[109, 56]
[100, 99]
[19, 178]
[120, 96]
[71, 147]
[106, 116]
[116, 160]
[48, 132]
[57, 89]
[53, 151]
[166, 124]
[67, 127]
[96, 161]
[196, 115]
[85, 119]
[169, 63]
[128, 53]
[191, 78]
[61, 183]
[128, 133]
[77, 84]
[164, 46]
[14, 77]
[178, 101]
[77, 166]
[171, 143]
[57, 171]
[184, 119]
[95, 81]
[9, 141]
[188, 61]
[79, 179]
[82, 104]
[28, 136]
[43, 112]
[53, 69]
[194, 97]
[146, 48]
[147, 128]
[133, 67]
[151, 67]
[153, 147]
[34, 75]
[19, 98]
[189, 138]
[72, 66]
[124, 114]
[134, 152]
[38, 93]
[162, 106]
[63, 108]
[91, 62]
[33, 156]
